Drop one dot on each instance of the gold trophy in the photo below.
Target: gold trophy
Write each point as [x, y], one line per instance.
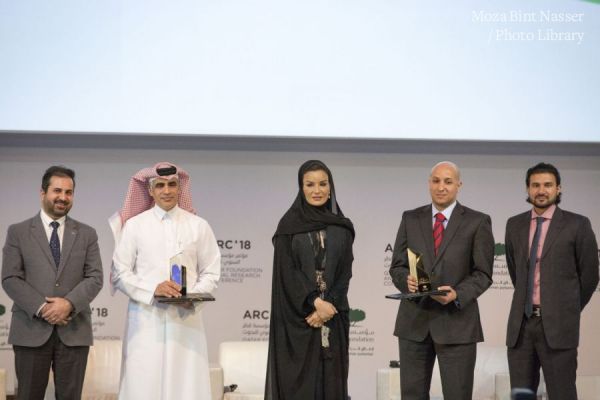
[415, 265]
[416, 270]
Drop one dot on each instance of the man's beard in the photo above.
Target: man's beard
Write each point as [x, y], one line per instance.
[544, 201]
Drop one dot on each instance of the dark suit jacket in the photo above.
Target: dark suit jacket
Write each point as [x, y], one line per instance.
[569, 275]
[465, 262]
[29, 275]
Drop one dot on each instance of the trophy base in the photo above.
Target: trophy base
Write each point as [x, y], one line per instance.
[191, 297]
[401, 296]
[424, 287]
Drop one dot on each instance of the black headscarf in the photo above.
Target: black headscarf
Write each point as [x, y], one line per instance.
[302, 217]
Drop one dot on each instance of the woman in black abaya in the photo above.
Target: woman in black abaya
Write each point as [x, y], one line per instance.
[308, 336]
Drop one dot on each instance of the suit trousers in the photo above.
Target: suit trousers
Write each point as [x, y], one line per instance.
[456, 363]
[532, 352]
[32, 367]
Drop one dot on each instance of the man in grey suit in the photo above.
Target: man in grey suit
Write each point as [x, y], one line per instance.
[552, 259]
[457, 248]
[51, 269]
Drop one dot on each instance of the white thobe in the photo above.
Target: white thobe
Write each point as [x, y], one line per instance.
[164, 350]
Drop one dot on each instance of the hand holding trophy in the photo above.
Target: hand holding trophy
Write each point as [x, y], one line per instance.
[418, 281]
[178, 286]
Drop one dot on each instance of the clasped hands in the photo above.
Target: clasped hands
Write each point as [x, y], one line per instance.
[171, 289]
[56, 310]
[411, 281]
[324, 311]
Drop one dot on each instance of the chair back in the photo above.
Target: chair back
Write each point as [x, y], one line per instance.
[245, 365]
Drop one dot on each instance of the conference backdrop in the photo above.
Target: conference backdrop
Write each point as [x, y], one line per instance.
[244, 193]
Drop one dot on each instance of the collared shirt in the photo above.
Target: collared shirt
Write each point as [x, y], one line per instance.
[169, 226]
[46, 220]
[163, 214]
[447, 213]
[547, 215]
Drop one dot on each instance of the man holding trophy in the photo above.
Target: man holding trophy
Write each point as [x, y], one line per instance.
[442, 262]
[163, 244]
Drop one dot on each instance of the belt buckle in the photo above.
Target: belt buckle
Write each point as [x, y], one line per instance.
[536, 312]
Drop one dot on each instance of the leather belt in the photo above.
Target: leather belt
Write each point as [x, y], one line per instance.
[537, 311]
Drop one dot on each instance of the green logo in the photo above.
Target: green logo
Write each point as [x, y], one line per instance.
[356, 315]
[499, 250]
[2, 309]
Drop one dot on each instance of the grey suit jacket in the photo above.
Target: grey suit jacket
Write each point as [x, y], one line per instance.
[29, 275]
[569, 275]
[465, 262]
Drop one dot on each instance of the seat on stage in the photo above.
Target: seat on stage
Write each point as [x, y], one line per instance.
[491, 379]
[244, 364]
[103, 372]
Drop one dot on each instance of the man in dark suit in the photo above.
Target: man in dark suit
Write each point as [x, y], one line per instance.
[552, 259]
[51, 269]
[457, 248]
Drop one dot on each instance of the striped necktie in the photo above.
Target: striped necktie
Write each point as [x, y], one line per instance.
[438, 231]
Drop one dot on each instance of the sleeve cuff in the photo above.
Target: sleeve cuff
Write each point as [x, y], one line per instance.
[39, 310]
[310, 300]
[457, 302]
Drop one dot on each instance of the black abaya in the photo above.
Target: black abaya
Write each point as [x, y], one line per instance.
[296, 358]
[299, 367]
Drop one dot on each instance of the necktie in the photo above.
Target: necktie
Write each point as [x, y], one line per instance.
[438, 231]
[532, 261]
[55, 243]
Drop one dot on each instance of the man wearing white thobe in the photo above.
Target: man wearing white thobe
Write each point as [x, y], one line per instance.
[164, 349]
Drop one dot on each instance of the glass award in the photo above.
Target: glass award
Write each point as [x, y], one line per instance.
[178, 273]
